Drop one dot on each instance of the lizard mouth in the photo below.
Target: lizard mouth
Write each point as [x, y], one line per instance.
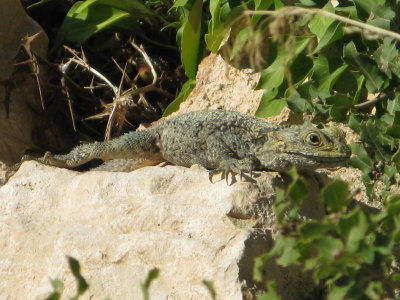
[324, 158]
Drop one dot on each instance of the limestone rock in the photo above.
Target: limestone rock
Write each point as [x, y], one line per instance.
[121, 225]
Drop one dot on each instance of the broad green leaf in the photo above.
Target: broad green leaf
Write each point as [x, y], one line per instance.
[314, 229]
[41, 2]
[211, 289]
[388, 58]
[357, 228]
[338, 292]
[335, 195]
[357, 233]
[363, 160]
[84, 19]
[260, 5]
[394, 129]
[290, 253]
[271, 293]
[214, 39]
[151, 276]
[270, 108]
[393, 105]
[301, 68]
[320, 69]
[396, 159]
[297, 190]
[328, 247]
[393, 205]
[339, 100]
[278, 4]
[374, 8]
[274, 75]
[174, 105]
[328, 83]
[320, 23]
[58, 287]
[180, 3]
[298, 104]
[136, 8]
[375, 80]
[332, 34]
[75, 268]
[216, 28]
[355, 123]
[190, 40]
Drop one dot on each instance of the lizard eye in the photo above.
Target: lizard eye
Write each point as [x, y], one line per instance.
[313, 139]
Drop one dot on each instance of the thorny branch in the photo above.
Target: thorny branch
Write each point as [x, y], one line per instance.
[123, 99]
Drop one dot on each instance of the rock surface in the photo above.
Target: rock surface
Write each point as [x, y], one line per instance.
[121, 225]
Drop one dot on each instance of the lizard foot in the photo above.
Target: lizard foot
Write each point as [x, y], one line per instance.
[233, 166]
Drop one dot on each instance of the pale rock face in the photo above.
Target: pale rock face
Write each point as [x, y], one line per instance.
[119, 226]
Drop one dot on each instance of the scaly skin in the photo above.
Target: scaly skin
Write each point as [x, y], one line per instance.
[221, 141]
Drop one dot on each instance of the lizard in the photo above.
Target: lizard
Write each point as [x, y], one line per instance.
[221, 141]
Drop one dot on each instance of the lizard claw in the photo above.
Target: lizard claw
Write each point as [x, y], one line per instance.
[233, 166]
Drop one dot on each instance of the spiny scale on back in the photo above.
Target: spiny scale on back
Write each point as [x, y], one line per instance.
[221, 141]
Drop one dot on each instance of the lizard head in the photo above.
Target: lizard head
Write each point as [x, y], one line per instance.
[305, 147]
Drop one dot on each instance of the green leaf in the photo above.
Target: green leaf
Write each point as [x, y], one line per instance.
[363, 161]
[211, 289]
[374, 79]
[271, 293]
[190, 40]
[185, 91]
[136, 8]
[297, 190]
[76, 271]
[394, 129]
[374, 8]
[314, 229]
[84, 19]
[357, 233]
[260, 5]
[335, 195]
[216, 28]
[273, 76]
[290, 253]
[320, 69]
[355, 123]
[387, 58]
[332, 34]
[301, 68]
[271, 108]
[328, 247]
[57, 290]
[353, 228]
[320, 23]
[338, 292]
[151, 276]
[298, 104]
[327, 84]
[396, 159]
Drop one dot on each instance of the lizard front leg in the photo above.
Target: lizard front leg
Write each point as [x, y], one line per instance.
[238, 161]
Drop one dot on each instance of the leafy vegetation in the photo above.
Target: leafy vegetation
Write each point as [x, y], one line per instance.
[350, 252]
[330, 60]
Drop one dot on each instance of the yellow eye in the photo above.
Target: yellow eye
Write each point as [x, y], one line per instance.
[313, 139]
